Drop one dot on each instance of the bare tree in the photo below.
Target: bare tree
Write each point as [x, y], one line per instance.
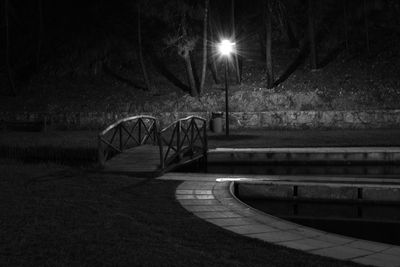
[205, 30]
[345, 26]
[366, 25]
[40, 33]
[311, 34]
[268, 44]
[212, 41]
[286, 23]
[140, 48]
[235, 56]
[185, 48]
[7, 52]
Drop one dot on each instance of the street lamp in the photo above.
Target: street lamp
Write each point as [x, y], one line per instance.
[226, 48]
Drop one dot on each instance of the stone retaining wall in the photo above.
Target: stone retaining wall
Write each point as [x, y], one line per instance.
[371, 119]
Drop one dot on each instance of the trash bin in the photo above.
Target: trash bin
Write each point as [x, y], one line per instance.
[216, 122]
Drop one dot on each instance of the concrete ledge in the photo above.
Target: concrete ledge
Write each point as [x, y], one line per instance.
[306, 155]
[338, 191]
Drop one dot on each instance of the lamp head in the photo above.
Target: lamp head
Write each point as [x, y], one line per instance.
[226, 47]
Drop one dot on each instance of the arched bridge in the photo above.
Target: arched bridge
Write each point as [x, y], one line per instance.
[137, 145]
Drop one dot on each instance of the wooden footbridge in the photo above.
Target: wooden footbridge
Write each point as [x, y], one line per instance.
[138, 145]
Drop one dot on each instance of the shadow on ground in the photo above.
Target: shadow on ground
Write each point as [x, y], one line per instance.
[233, 137]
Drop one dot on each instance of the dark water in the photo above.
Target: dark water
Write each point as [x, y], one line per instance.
[374, 222]
[275, 169]
[300, 169]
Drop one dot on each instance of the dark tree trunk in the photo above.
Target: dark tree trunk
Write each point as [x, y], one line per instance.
[311, 34]
[188, 60]
[40, 34]
[366, 26]
[345, 26]
[293, 42]
[212, 41]
[268, 44]
[287, 25]
[205, 30]
[261, 42]
[235, 56]
[189, 71]
[140, 49]
[7, 52]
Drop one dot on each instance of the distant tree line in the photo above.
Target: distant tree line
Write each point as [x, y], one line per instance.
[31, 30]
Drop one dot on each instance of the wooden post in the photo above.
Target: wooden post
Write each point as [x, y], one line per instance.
[178, 139]
[100, 152]
[160, 145]
[192, 122]
[140, 131]
[120, 138]
[205, 145]
[155, 130]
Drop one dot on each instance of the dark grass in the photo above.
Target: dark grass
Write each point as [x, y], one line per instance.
[53, 216]
[74, 148]
[74, 156]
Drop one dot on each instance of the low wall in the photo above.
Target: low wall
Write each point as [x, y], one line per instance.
[360, 193]
[371, 119]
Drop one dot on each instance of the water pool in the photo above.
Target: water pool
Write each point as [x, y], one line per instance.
[375, 222]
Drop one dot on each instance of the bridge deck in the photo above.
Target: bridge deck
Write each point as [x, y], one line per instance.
[141, 160]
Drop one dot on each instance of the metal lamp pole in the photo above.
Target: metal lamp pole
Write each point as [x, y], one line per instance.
[226, 48]
[226, 97]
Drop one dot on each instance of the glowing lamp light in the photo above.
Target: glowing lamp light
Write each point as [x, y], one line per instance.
[226, 47]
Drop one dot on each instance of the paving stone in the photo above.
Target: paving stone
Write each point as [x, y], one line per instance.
[368, 245]
[196, 185]
[245, 212]
[307, 232]
[204, 196]
[205, 185]
[203, 192]
[217, 214]
[393, 251]
[379, 259]
[277, 236]
[185, 197]
[222, 193]
[307, 244]
[222, 185]
[230, 221]
[184, 191]
[199, 202]
[337, 239]
[251, 229]
[274, 222]
[342, 252]
[207, 208]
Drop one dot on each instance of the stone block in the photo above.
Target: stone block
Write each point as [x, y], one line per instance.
[263, 191]
[381, 194]
[327, 192]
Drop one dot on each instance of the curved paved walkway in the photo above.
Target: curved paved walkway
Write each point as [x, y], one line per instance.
[213, 202]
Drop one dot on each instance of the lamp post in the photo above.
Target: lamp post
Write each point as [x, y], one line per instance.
[226, 48]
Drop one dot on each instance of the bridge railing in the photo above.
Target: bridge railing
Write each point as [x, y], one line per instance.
[182, 141]
[127, 133]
